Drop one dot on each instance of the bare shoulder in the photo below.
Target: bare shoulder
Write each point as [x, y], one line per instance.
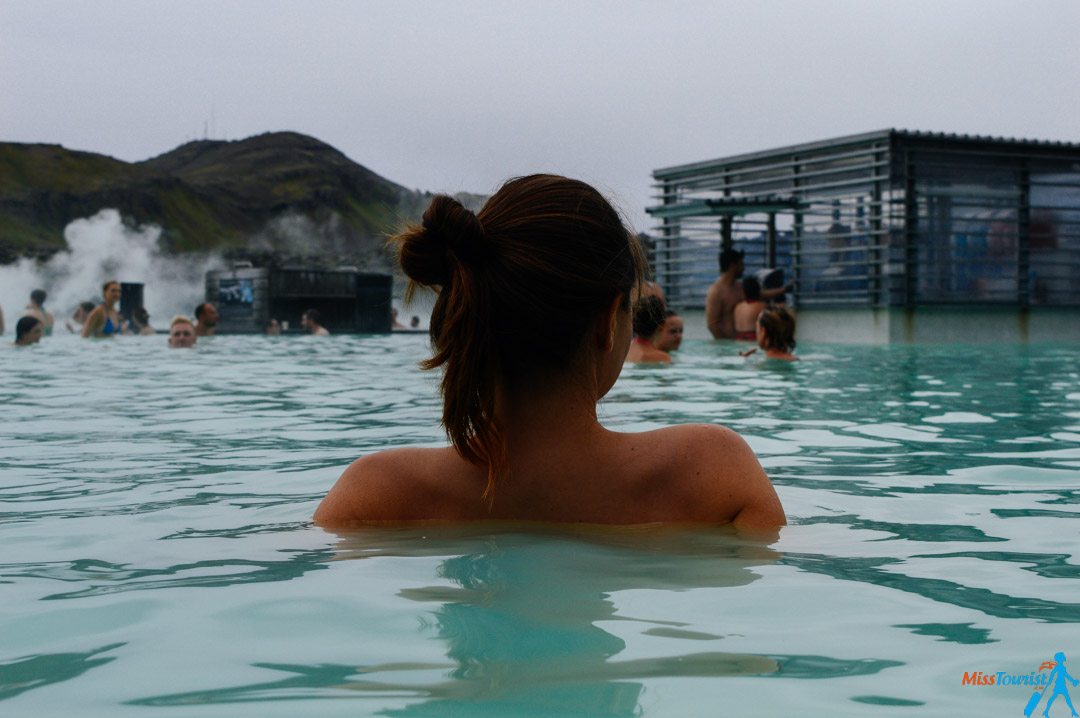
[94, 320]
[394, 485]
[715, 292]
[698, 434]
[721, 471]
[707, 443]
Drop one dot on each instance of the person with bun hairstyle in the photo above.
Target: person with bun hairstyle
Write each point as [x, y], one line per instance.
[530, 327]
[775, 333]
[648, 319]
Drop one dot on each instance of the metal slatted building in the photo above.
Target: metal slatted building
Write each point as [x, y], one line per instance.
[885, 220]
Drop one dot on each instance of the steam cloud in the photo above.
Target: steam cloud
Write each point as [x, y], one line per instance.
[101, 248]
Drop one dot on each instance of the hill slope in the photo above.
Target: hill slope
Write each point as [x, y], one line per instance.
[281, 192]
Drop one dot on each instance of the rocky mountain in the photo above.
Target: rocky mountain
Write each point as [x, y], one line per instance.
[273, 196]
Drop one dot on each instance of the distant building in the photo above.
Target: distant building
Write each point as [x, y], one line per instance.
[887, 223]
[349, 301]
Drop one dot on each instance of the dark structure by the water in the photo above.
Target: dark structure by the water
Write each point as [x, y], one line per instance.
[885, 219]
[131, 298]
[348, 300]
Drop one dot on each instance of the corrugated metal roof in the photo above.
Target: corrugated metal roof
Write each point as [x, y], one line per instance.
[986, 138]
[865, 138]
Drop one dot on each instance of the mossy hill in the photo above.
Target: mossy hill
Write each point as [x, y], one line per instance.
[277, 194]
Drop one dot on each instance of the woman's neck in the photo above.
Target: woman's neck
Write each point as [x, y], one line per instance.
[548, 412]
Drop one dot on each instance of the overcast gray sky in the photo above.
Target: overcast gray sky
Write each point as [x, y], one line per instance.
[449, 96]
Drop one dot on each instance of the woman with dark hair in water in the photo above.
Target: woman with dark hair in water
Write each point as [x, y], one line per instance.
[531, 326]
[747, 311]
[648, 318]
[105, 320]
[28, 330]
[669, 336]
[775, 334]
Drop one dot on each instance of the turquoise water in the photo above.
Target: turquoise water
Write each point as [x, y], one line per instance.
[156, 554]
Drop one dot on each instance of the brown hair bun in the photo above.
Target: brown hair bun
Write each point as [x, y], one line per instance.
[449, 234]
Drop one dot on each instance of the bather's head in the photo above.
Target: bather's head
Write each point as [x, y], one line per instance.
[776, 329]
[110, 292]
[734, 260]
[669, 336]
[649, 315]
[206, 314]
[182, 333]
[28, 330]
[751, 289]
[533, 291]
[311, 320]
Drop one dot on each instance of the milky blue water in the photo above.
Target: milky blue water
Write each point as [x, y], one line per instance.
[157, 558]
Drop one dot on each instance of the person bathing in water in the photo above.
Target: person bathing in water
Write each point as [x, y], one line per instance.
[775, 334]
[747, 311]
[182, 334]
[28, 330]
[206, 319]
[311, 321]
[36, 308]
[104, 320]
[669, 337]
[531, 326]
[648, 320]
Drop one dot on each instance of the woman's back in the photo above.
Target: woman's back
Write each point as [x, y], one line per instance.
[682, 474]
[746, 314]
[531, 327]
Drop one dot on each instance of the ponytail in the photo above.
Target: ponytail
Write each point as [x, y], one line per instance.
[447, 253]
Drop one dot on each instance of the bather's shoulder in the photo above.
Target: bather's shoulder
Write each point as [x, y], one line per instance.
[718, 469]
[703, 441]
[393, 485]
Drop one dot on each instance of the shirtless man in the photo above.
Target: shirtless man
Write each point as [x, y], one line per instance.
[311, 320]
[206, 316]
[724, 294]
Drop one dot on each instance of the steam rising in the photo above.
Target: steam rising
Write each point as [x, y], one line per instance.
[101, 248]
[298, 234]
